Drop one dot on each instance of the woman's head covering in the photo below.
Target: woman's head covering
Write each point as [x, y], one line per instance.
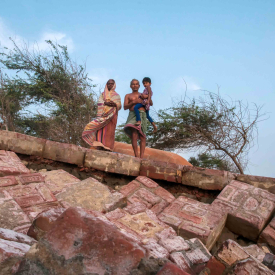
[107, 93]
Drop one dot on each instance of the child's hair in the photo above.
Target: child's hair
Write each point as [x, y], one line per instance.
[146, 79]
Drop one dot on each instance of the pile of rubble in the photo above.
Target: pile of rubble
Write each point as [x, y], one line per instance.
[54, 223]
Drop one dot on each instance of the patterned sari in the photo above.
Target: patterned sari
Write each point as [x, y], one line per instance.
[101, 131]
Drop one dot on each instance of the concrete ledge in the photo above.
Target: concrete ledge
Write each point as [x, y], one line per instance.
[64, 152]
[260, 182]
[22, 144]
[112, 162]
[161, 170]
[208, 179]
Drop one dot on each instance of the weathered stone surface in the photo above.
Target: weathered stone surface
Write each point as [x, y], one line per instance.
[230, 252]
[268, 235]
[56, 180]
[193, 259]
[80, 243]
[249, 266]
[142, 226]
[11, 215]
[64, 152]
[248, 208]
[92, 195]
[44, 222]
[171, 269]
[11, 254]
[22, 144]
[214, 267]
[31, 194]
[255, 251]
[260, 182]
[10, 164]
[8, 181]
[161, 170]
[10, 235]
[145, 193]
[208, 179]
[112, 162]
[193, 219]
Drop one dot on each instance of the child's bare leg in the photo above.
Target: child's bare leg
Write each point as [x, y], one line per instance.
[155, 127]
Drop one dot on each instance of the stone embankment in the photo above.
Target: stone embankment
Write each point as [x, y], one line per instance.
[54, 223]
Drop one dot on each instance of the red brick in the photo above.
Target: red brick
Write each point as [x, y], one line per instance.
[164, 194]
[147, 182]
[171, 269]
[155, 250]
[29, 200]
[159, 207]
[174, 244]
[248, 208]
[268, 236]
[135, 208]
[134, 199]
[181, 261]
[34, 210]
[76, 233]
[8, 181]
[193, 219]
[148, 196]
[19, 191]
[115, 215]
[215, 267]
[35, 177]
[128, 189]
[45, 192]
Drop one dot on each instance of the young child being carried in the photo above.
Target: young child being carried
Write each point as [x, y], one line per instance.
[146, 99]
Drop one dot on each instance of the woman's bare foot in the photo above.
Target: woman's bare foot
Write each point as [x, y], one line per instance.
[155, 127]
[138, 123]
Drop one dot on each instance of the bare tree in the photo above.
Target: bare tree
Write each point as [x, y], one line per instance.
[211, 123]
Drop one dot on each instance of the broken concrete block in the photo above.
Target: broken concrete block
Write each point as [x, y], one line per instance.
[56, 180]
[207, 179]
[193, 219]
[248, 208]
[92, 195]
[10, 164]
[161, 170]
[79, 243]
[64, 152]
[144, 192]
[112, 162]
[22, 144]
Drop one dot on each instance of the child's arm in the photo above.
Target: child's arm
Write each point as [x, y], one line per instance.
[149, 93]
[143, 96]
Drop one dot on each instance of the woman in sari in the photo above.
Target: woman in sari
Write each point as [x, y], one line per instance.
[100, 133]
